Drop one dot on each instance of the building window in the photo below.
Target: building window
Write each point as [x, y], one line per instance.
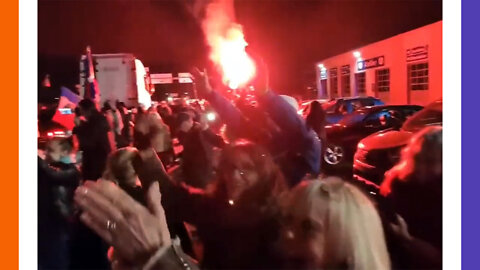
[360, 83]
[323, 85]
[334, 82]
[417, 76]
[345, 79]
[382, 79]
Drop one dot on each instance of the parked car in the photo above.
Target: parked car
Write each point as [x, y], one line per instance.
[49, 130]
[54, 123]
[337, 109]
[379, 152]
[342, 138]
[304, 107]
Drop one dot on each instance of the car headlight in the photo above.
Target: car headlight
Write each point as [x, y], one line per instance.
[360, 145]
[361, 155]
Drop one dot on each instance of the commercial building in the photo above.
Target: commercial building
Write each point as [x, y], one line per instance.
[403, 69]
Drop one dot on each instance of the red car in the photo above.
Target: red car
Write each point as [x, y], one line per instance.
[380, 151]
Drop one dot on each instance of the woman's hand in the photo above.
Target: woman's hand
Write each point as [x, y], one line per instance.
[134, 231]
[202, 81]
[400, 229]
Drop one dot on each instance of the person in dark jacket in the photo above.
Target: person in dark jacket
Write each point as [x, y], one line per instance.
[412, 203]
[96, 140]
[316, 120]
[198, 150]
[294, 146]
[57, 179]
[127, 120]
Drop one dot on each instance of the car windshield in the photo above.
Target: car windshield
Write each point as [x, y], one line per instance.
[431, 115]
[329, 106]
[353, 118]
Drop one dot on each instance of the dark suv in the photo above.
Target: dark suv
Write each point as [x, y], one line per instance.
[342, 138]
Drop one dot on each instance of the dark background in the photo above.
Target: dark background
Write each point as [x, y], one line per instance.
[290, 35]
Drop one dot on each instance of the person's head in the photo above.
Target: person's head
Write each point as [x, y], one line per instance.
[87, 108]
[248, 174]
[184, 122]
[121, 107]
[119, 104]
[316, 112]
[58, 149]
[107, 106]
[330, 224]
[120, 167]
[154, 119]
[383, 120]
[203, 120]
[421, 159]
[164, 110]
[140, 110]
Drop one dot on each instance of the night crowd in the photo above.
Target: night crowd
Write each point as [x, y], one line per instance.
[247, 194]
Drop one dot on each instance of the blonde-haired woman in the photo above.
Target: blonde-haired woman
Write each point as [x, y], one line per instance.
[332, 225]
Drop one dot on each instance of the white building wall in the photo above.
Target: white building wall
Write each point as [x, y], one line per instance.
[394, 51]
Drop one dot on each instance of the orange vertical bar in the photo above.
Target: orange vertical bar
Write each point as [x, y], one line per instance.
[9, 135]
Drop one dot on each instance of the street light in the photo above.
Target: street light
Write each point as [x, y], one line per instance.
[356, 54]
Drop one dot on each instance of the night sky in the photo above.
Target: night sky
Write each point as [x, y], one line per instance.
[290, 35]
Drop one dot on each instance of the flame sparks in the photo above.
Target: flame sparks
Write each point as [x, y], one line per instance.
[236, 66]
[227, 44]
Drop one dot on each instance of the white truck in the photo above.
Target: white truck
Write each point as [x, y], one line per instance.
[120, 77]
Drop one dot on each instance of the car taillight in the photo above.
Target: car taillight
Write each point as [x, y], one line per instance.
[56, 133]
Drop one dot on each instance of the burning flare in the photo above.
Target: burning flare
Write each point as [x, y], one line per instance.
[227, 44]
[229, 53]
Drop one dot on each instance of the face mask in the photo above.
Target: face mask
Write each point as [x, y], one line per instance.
[66, 160]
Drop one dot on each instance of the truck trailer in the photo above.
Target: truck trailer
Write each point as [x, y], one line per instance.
[120, 77]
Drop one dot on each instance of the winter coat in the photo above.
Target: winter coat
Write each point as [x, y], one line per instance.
[295, 147]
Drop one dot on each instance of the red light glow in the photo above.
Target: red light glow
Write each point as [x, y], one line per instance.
[227, 44]
[229, 54]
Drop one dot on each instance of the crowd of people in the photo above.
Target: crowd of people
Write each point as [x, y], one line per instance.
[254, 194]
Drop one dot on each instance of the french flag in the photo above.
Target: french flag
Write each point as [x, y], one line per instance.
[67, 102]
[68, 97]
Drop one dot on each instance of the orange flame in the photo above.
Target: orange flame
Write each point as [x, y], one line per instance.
[227, 44]
[236, 66]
